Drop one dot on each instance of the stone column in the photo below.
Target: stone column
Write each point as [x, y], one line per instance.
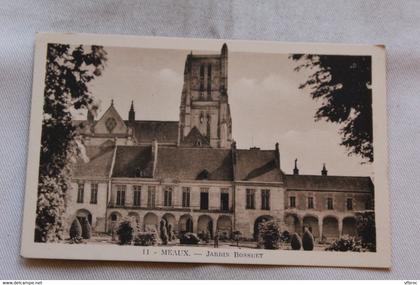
[320, 224]
[340, 227]
[195, 224]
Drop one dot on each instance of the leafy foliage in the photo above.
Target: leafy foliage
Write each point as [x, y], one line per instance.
[189, 238]
[68, 72]
[366, 230]
[125, 232]
[345, 243]
[270, 235]
[344, 85]
[145, 239]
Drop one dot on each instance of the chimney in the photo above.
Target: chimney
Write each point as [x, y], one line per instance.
[324, 170]
[277, 155]
[90, 121]
[296, 170]
[131, 113]
[233, 148]
[90, 117]
[155, 147]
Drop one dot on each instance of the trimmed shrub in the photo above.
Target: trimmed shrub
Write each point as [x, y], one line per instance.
[125, 232]
[285, 236]
[171, 234]
[75, 229]
[308, 240]
[345, 243]
[270, 236]
[296, 242]
[189, 238]
[145, 239]
[163, 232]
[86, 229]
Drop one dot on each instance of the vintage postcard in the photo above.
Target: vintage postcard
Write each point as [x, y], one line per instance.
[207, 151]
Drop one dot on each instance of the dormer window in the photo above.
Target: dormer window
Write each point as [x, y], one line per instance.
[139, 172]
[203, 175]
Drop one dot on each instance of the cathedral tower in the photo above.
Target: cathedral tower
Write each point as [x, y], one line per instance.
[204, 111]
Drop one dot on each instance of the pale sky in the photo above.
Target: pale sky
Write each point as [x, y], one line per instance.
[266, 104]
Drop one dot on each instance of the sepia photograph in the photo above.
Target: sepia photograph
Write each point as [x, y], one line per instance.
[211, 151]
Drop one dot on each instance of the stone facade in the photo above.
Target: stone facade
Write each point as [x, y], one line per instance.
[191, 174]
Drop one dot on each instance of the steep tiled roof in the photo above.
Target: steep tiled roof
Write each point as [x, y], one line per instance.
[329, 183]
[195, 138]
[133, 161]
[257, 165]
[189, 163]
[162, 131]
[144, 131]
[99, 164]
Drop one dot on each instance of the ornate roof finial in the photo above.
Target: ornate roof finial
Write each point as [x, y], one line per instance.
[324, 171]
[112, 102]
[296, 169]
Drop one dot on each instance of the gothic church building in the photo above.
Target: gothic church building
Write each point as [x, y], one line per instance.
[190, 172]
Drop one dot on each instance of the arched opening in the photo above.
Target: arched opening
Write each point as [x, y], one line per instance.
[257, 224]
[205, 225]
[330, 227]
[311, 222]
[224, 227]
[113, 220]
[292, 223]
[84, 216]
[151, 222]
[185, 224]
[135, 217]
[170, 222]
[349, 226]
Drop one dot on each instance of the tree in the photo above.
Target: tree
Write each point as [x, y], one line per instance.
[366, 229]
[75, 229]
[270, 235]
[125, 232]
[69, 69]
[343, 83]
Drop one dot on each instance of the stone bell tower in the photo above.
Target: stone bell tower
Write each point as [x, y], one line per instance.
[205, 119]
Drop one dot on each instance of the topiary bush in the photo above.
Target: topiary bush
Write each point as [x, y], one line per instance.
[75, 229]
[308, 240]
[269, 235]
[145, 239]
[171, 234]
[189, 238]
[125, 232]
[163, 232]
[296, 242]
[86, 229]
